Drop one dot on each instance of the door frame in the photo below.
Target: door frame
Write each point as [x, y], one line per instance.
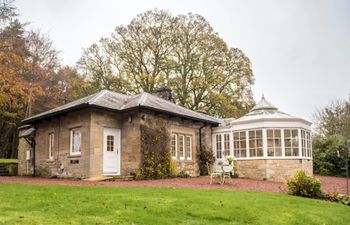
[117, 134]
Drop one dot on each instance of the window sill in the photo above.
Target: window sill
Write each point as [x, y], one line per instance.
[74, 156]
[50, 160]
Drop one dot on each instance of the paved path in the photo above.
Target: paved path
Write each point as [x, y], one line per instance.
[329, 184]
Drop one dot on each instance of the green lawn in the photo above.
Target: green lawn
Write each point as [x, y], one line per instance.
[8, 160]
[30, 204]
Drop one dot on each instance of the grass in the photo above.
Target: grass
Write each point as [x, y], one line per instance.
[33, 204]
[8, 160]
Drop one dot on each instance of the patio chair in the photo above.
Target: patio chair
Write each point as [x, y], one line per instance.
[215, 171]
[227, 172]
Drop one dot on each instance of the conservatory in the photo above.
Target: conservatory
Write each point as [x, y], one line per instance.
[267, 144]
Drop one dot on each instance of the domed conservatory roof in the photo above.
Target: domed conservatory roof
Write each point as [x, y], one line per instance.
[264, 110]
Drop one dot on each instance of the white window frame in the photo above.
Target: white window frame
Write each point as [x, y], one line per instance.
[216, 146]
[226, 141]
[174, 135]
[72, 141]
[274, 138]
[51, 144]
[182, 157]
[290, 130]
[240, 149]
[255, 139]
[190, 147]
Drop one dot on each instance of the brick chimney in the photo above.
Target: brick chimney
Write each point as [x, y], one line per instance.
[164, 92]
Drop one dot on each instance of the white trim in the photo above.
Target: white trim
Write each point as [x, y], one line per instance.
[274, 158]
[283, 144]
[264, 143]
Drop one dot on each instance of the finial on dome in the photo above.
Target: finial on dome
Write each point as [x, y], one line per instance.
[263, 104]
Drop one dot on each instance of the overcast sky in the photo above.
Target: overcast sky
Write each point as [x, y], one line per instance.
[300, 50]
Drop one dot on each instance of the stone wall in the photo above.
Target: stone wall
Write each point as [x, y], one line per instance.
[63, 164]
[130, 154]
[272, 169]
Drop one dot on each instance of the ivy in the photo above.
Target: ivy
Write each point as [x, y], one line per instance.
[155, 149]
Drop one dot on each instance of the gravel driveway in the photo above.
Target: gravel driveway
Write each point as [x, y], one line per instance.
[329, 184]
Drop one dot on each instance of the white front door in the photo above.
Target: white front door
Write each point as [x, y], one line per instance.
[111, 151]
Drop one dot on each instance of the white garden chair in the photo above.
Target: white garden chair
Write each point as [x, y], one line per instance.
[227, 172]
[215, 171]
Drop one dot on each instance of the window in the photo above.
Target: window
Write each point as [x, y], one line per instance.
[174, 146]
[182, 146]
[239, 143]
[274, 147]
[75, 142]
[303, 143]
[51, 144]
[189, 147]
[256, 143]
[218, 146]
[110, 143]
[308, 144]
[291, 142]
[226, 144]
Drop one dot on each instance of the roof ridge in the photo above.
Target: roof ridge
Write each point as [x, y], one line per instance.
[143, 98]
[176, 105]
[96, 97]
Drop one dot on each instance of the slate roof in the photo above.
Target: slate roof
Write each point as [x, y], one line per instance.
[120, 102]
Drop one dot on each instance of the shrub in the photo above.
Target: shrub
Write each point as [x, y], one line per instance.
[304, 186]
[155, 149]
[335, 197]
[183, 174]
[206, 158]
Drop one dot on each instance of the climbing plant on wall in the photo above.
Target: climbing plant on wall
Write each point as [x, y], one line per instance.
[155, 150]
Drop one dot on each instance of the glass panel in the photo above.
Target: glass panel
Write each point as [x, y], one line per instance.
[76, 142]
[269, 133]
[277, 143]
[270, 152]
[243, 144]
[181, 146]
[188, 147]
[295, 151]
[218, 146]
[252, 152]
[278, 151]
[259, 134]
[173, 145]
[288, 152]
[242, 135]
[252, 144]
[294, 133]
[251, 134]
[259, 143]
[286, 133]
[277, 133]
[110, 143]
[260, 152]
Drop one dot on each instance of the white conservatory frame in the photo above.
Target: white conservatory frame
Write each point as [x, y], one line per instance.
[264, 124]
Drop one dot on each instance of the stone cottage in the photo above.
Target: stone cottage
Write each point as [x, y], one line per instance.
[99, 135]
